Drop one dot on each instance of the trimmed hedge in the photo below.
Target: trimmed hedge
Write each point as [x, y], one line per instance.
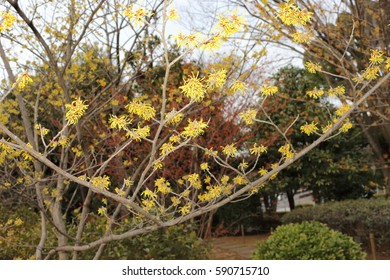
[308, 241]
[356, 218]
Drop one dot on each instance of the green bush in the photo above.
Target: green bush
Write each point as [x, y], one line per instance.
[356, 218]
[308, 241]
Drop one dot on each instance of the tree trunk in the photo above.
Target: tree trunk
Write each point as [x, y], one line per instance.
[290, 196]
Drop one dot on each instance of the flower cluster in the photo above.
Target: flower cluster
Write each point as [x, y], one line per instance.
[258, 150]
[239, 86]
[141, 109]
[343, 109]
[135, 14]
[228, 25]
[217, 79]
[194, 180]
[119, 122]
[315, 93]
[7, 22]
[23, 80]
[268, 90]
[230, 150]
[290, 14]
[248, 116]
[139, 133]
[194, 88]
[313, 67]
[102, 182]
[309, 128]
[300, 37]
[340, 90]
[286, 151]
[75, 111]
[162, 185]
[345, 127]
[377, 57]
[194, 129]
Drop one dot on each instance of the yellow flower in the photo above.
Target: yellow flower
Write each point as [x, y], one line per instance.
[173, 15]
[340, 90]
[102, 211]
[143, 110]
[166, 148]
[388, 63]
[175, 200]
[23, 80]
[239, 180]
[347, 126]
[217, 79]
[158, 165]
[343, 109]
[149, 194]
[243, 165]
[225, 179]
[204, 166]
[148, 204]
[101, 182]
[228, 25]
[239, 86]
[135, 14]
[174, 138]
[301, 37]
[75, 111]
[248, 116]
[258, 150]
[173, 117]
[290, 14]
[139, 133]
[262, 171]
[119, 122]
[194, 180]
[194, 88]
[327, 127]
[185, 209]
[230, 150]
[213, 43]
[313, 67]
[309, 128]
[377, 57]
[372, 73]
[7, 22]
[268, 90]
[194, 129]
[163, 186]
[286, 151]
[187, 40]
[315, 93]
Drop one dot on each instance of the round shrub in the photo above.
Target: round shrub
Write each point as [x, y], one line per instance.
[308, 241]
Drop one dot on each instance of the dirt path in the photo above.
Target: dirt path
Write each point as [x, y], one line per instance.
[235, 247]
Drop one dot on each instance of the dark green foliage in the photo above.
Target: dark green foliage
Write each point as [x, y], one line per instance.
[308, 241]
[357, 218]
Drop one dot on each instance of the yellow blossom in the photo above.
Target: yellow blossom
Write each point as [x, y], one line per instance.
[194, 129]
[119, 122]
[225, 179]
[388, 63]
[185, 209]
[149, 194]
[371, 73]
[327, 127]
[143, 110]
[166, 148]
[174, 138]
[228, 25]
[158, 165]
[230, 150]
[139, 133]
[286, 151]
[313, 67]
[23, 80]
[239, 86]
[217, 79]
[173, 117]
[290, 14]
[240, 180]
[102, 211]
[213, 43]
[340, 90]
[163, 186]
[187, 40]
[102, 182]
[315, 93]
[194, 180]
[135, 14]
[148, 204]
[75, 111]
[343, 109]
[309, 128]
[194, 88]
[243, 165]
[301, 37]
[204, 166]
[377, 57]
[262, 171]
[173, 15]
[7, 21]
[347, 126]
[268, 90]
[207, 180]
[258, 150]
[248, 116]
[64, 141]
[175, 200]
